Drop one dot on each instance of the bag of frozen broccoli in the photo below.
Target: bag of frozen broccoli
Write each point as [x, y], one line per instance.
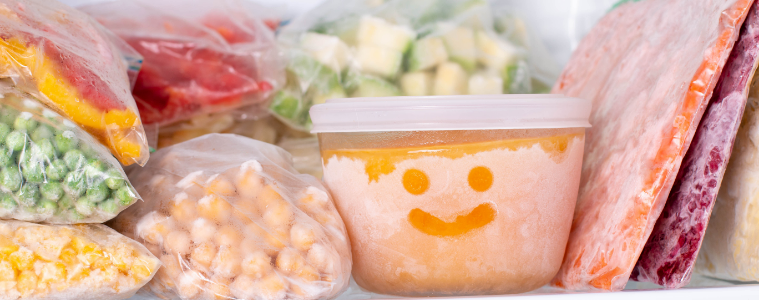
[395, 48]
[51, 170]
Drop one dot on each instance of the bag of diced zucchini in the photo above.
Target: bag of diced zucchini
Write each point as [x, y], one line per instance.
[395, 48]
[51, 170]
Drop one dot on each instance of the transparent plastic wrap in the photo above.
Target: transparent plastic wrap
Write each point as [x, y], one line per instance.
[670, 253]
[199, 56]
[231, 219]
[51, 171]
[394, 48]
[650, 68]
[72, 65]
[86, 261]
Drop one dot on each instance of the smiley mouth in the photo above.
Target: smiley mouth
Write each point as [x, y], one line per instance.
[425, 222]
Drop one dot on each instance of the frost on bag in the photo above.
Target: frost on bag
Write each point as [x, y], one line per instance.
[231, 219]
[650, 80]
[87, 261]
[413, 48]
[52, 171]
[199, 56]
[69, 62]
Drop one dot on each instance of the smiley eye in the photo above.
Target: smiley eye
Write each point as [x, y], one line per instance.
[415, 181]
[480, 179]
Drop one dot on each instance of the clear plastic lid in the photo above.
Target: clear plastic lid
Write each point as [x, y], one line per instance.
[450, 113]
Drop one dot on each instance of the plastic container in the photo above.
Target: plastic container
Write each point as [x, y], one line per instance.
[454, 195]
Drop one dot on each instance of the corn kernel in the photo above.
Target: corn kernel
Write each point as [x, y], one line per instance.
[256, 264]
[52, 272]
[78, 272]
[27, 282]
[7, 246]
[140, 270]
[68, 256]
[22, 260]
[77, 243]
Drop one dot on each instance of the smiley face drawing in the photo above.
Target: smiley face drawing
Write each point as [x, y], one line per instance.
[480, 179]
[457, 219]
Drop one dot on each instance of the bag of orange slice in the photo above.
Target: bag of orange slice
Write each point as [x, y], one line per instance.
[232, 219]
[74, 66]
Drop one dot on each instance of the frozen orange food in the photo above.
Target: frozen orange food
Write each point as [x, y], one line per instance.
[73, 65]
[649, 68]
[466, 195]
[230, 218]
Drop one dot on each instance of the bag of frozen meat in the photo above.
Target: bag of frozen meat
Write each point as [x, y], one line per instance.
[199, 56]
[72, 65]
[86, 261]
[51, 170]
[230, 218]
[393, 48]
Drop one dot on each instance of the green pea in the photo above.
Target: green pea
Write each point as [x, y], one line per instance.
[8, 115]
[125, 196]
[10, 178]
[94, 168]
[88, 150]
[47, 207]
[46, 149]
[97, 192]
[6, 156]
[109, 206]
[72, 216]
[25, 122]
[84, 206]
[114, 179]
[4, 131]
[33, 172]
[16, 140]
[28, 195]
[66, 202]
[51, 190]
[66, 141]
[74, 159]
[7, 202]
[56, 170]
[74, 184]
[43, 132]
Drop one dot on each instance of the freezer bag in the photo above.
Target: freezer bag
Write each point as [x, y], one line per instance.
[378, 49]
[230, 218]
[670, 253]
[199, 56]
[52, 171]
[649, 67]
[72, 65]
[85, 261]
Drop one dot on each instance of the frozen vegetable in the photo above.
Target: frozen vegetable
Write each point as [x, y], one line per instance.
[670, 253]
[52, 171]
[231, 219]
[437, 47]
[86, 261]
[71, 64]
[649, 67]
[199, 56]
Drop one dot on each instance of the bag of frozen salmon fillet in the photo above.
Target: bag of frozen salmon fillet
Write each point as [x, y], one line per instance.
[650, 68]
[73, 65]
[230, 218]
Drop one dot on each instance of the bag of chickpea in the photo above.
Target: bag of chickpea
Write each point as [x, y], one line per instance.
[230, 218]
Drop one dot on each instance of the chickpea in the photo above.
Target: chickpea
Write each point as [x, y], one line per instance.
[278, 214]
[249, 245]
[289, 261]
[244, 287]
[268, 196]
[319, 257]
[302, 236]
[218, 288]
[256, 264]
[204, 254]
[183, 209]
[189, 284]
[220, 186]
[307, 273]
[202, 230]
[228, 236]
[227, 262]
[214, 208]
[171, 265]
[153, 227]
[272, 287]
[249, 184]
[178, 242]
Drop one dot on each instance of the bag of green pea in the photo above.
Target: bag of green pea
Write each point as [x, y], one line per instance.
[51, 171]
